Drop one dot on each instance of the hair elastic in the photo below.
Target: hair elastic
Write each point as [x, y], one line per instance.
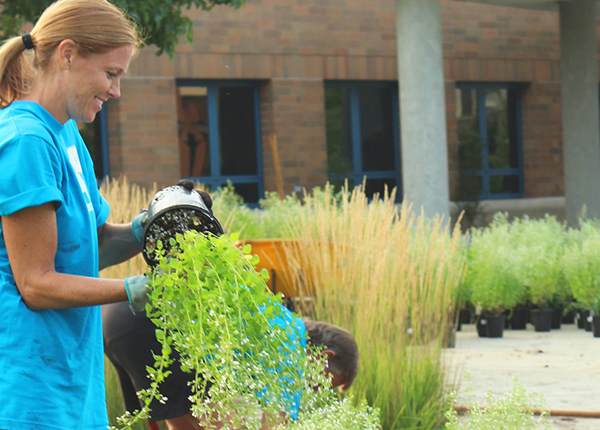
[27, 42]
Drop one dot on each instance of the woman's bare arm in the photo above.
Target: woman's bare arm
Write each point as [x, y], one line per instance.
[31, 242]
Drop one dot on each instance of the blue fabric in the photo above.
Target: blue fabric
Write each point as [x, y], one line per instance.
[51, 361]
[296, 341]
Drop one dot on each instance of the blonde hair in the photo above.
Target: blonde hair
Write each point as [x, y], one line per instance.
[96, 26]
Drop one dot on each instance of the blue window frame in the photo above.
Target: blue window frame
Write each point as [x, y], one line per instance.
[363, 135]
[219, 134]
[489, 137]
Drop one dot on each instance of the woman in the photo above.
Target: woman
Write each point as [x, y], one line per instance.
[54, 237]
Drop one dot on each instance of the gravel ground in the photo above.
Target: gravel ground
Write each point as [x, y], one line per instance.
[563, 365]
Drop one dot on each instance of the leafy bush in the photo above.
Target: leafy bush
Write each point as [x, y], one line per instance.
[268, 221]
[490, 267]
[582, 263]
[512, 412]
[539, 247]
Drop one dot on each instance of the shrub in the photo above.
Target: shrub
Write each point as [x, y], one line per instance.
[582, 263]
[490, 268]
[512, 412]
[539, 246]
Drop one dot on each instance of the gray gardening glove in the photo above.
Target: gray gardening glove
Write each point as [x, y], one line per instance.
[138, 224]
[137, 288]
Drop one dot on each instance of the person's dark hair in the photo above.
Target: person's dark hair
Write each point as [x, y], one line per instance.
[96, 26]
[338, 340]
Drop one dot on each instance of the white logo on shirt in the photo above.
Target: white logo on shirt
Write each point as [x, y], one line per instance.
[74, 159]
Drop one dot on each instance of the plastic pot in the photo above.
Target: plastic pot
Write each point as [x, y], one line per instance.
[175, 210]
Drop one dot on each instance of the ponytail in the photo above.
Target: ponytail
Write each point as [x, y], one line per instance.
[16, 72]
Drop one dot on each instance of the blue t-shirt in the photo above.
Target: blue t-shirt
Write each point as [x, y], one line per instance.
[295, 330]
[51, 361]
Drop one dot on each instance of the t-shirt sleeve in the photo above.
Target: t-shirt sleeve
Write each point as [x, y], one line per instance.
[31, 171]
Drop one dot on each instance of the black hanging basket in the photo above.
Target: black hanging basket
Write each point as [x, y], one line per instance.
[175, 210]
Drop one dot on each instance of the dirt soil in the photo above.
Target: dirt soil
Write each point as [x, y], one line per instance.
[563, 365]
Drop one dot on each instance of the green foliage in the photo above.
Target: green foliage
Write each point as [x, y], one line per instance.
[490, 261]
[512, 412]
[539, 247]
[271, 220]
[213, 307]
[582, 263]
[339, 415]
[163, 21]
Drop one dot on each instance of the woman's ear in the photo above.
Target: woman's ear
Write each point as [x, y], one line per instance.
[66, 51]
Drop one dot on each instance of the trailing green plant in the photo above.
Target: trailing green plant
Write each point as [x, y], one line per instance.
[211, 305]
[515, 411]
[342, 414]
[490, 262]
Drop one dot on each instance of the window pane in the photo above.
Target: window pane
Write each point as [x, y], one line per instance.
[377, 129]
[469, 139]
[249, 192]
[237, 131]
[379, 186]
[338, 184]
[504, 184]
[192, 113]
[92, 137]
[502, 145]
[339, 137]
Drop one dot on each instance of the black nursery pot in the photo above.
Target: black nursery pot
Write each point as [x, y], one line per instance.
[520, 316]
[481, 325]
[596, 325]
[175, 210]
[587, 320]
[580, 317]
[557, 314]
[495, 325]
[541, 319]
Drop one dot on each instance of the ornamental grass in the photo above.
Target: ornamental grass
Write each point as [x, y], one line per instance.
[391, 278]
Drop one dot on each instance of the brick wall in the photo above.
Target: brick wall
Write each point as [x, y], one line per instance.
[542, 140]
[291, 46]
[143, 132]
[294, 111]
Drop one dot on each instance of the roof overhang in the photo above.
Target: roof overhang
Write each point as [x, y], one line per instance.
[551, 5]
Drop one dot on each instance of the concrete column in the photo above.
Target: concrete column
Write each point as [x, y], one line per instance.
[580, 115]
[422, 106]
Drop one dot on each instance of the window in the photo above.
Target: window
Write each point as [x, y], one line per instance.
[95, 136]
[362, 135]
[219, 135]
[489, 138]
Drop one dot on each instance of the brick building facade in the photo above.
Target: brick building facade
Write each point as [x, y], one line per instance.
[291, 49]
